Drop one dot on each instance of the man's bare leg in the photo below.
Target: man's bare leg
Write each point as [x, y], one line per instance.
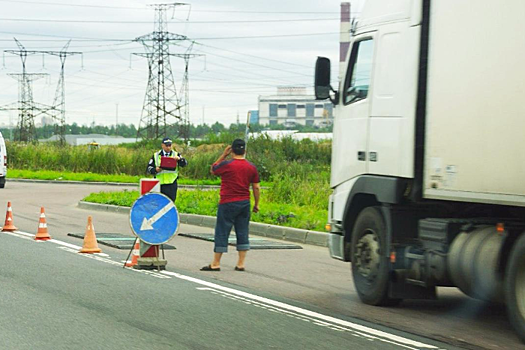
[242, 257]
[216, 260]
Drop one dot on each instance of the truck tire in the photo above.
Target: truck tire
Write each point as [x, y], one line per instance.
[369, 262]
[2, 182]
[515, 287]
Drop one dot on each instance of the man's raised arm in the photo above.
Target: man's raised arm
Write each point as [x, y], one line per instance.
[222, 157]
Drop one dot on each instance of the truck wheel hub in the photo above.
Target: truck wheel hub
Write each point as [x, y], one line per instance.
[367, 255]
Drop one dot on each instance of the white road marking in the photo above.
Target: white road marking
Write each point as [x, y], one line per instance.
[24, 233]
[72, 248]
[113, 262]
[65, 244]
[283, 306]
[16, 235]
[269, 304]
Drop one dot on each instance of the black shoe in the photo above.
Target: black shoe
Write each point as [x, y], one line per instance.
[239, 268]
[209, 268]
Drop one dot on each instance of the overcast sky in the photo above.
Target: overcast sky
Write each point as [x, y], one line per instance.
[250, 48]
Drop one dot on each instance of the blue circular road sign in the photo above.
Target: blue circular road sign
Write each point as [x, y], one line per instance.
[154, 218]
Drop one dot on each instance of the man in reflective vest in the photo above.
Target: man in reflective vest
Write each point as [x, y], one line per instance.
[166, 175]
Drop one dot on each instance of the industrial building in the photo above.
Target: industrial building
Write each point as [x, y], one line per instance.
[293, 106]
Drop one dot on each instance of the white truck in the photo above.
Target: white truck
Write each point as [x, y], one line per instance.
[428, 162]
[3, 161]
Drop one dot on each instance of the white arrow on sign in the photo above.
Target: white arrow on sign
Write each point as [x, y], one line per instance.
[148, 224]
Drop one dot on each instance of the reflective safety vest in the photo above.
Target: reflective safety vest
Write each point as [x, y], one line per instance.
[165, 176]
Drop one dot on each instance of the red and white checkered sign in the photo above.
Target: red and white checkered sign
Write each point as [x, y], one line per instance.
[149, 185]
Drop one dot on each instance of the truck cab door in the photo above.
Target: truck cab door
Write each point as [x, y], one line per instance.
[352, 120]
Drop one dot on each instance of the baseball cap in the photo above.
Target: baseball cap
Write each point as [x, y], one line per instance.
[238, 144]
[167, 141]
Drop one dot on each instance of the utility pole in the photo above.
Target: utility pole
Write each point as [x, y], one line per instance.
[161, 103]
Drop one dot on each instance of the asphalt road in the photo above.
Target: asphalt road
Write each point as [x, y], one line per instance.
[54, 298]
[306, 278]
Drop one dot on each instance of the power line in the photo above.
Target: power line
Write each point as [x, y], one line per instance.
[72, 5]
[259, 76]
[204, 38]
[96, 51]
[77, 46]
[254, 56]
[178, 22]
[59, 40]
[142, 8]
[256, 64]
[63, 37]
[266, 36]
[271, 12]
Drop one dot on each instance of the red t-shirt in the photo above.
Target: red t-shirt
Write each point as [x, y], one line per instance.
[236, 177]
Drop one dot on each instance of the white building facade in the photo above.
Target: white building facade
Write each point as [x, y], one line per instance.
[293, 106]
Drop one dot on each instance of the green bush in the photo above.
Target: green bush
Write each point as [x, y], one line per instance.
[298, 172]
[270, 156]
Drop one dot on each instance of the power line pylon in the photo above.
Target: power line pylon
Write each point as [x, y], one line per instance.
[25, 130]
[184, 105]
[161, 104]
[59, 103]
[27, 108]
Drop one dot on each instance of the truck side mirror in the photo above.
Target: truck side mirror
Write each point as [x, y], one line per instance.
[322, 78]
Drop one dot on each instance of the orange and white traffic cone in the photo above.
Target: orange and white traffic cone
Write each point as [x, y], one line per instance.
[135, 255]
[8, 226]
[42, 234]
[90, 239]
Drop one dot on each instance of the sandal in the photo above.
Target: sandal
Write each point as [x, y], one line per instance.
[209, 268]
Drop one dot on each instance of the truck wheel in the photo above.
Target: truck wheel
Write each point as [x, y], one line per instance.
[369, 262]
[2, 182]
[515, 287]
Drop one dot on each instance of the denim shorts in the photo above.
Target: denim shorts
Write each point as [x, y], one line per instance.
[233, 214]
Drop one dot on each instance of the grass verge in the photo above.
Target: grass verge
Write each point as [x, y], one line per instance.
[206, 203]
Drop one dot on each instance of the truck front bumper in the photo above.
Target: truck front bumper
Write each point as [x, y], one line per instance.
[336, 245]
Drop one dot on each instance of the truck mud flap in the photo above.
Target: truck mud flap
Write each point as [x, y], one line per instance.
[400, 288]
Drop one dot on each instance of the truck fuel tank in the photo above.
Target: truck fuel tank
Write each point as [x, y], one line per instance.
[472, 263]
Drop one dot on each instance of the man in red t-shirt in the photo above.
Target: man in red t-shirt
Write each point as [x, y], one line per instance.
[234, 207]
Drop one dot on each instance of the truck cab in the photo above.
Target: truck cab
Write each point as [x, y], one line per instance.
[427, 161]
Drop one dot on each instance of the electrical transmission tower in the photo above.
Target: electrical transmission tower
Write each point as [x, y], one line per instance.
[25, 128]
[184, 101]
[59, 103]
[28, 109]
[162, 107]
